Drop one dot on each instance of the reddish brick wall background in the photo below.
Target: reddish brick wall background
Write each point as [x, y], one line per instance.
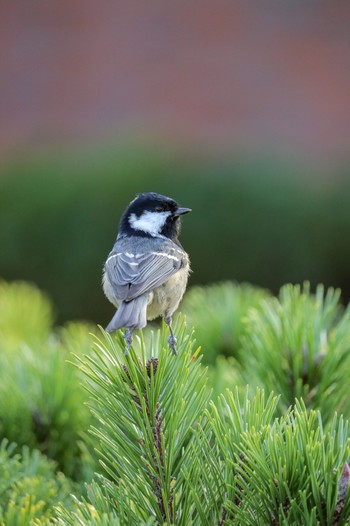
[236, 74]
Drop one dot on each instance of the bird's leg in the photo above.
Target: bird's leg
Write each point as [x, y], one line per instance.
[172, 339]
[128, 338]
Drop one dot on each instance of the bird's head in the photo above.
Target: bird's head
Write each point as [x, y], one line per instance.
[152, 215]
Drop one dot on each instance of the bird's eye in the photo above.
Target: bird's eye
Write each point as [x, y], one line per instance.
[159, 209]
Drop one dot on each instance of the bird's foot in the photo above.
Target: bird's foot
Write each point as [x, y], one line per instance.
[172, 341]
[128, 339]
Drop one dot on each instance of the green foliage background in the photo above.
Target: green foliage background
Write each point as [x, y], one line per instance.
[30, 487]
[256, 220]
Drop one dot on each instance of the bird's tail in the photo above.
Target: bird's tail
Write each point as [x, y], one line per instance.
[130, 314]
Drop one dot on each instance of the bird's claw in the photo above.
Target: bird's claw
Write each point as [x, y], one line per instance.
[128, 339]
[172, 341]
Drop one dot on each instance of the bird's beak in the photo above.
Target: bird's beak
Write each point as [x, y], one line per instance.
[182, 211]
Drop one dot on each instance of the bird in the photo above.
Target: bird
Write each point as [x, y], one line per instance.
[145, 275]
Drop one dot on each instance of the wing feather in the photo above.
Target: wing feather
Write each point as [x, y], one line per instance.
[134, 274]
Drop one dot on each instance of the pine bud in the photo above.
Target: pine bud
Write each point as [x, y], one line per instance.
[152, 363]
[344, 482]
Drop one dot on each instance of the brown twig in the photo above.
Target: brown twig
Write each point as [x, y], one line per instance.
[165, 507]
[221, 521]
[343, 486]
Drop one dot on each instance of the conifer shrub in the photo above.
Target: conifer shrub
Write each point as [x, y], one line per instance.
[298, 345]
[30, 487]
[172, 456]
[178, 443]
[42, 399]
[26, 314]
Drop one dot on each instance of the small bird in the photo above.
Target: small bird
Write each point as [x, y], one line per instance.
[146, 273]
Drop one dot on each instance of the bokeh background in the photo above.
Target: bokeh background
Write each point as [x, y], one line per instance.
[239, 110]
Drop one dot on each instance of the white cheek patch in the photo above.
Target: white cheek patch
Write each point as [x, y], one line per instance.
[150, 222]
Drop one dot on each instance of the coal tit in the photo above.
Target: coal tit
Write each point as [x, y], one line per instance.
[145, 275]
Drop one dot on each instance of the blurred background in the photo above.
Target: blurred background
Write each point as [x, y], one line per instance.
[239, 110]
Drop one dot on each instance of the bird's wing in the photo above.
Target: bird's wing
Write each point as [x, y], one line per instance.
[131, 275]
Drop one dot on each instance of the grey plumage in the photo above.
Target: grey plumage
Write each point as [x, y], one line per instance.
[134, 270]
[132, 314]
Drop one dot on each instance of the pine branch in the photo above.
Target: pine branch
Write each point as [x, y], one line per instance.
[148, 404]
[297, 346]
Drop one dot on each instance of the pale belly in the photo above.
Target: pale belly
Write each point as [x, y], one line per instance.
[167, 297]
